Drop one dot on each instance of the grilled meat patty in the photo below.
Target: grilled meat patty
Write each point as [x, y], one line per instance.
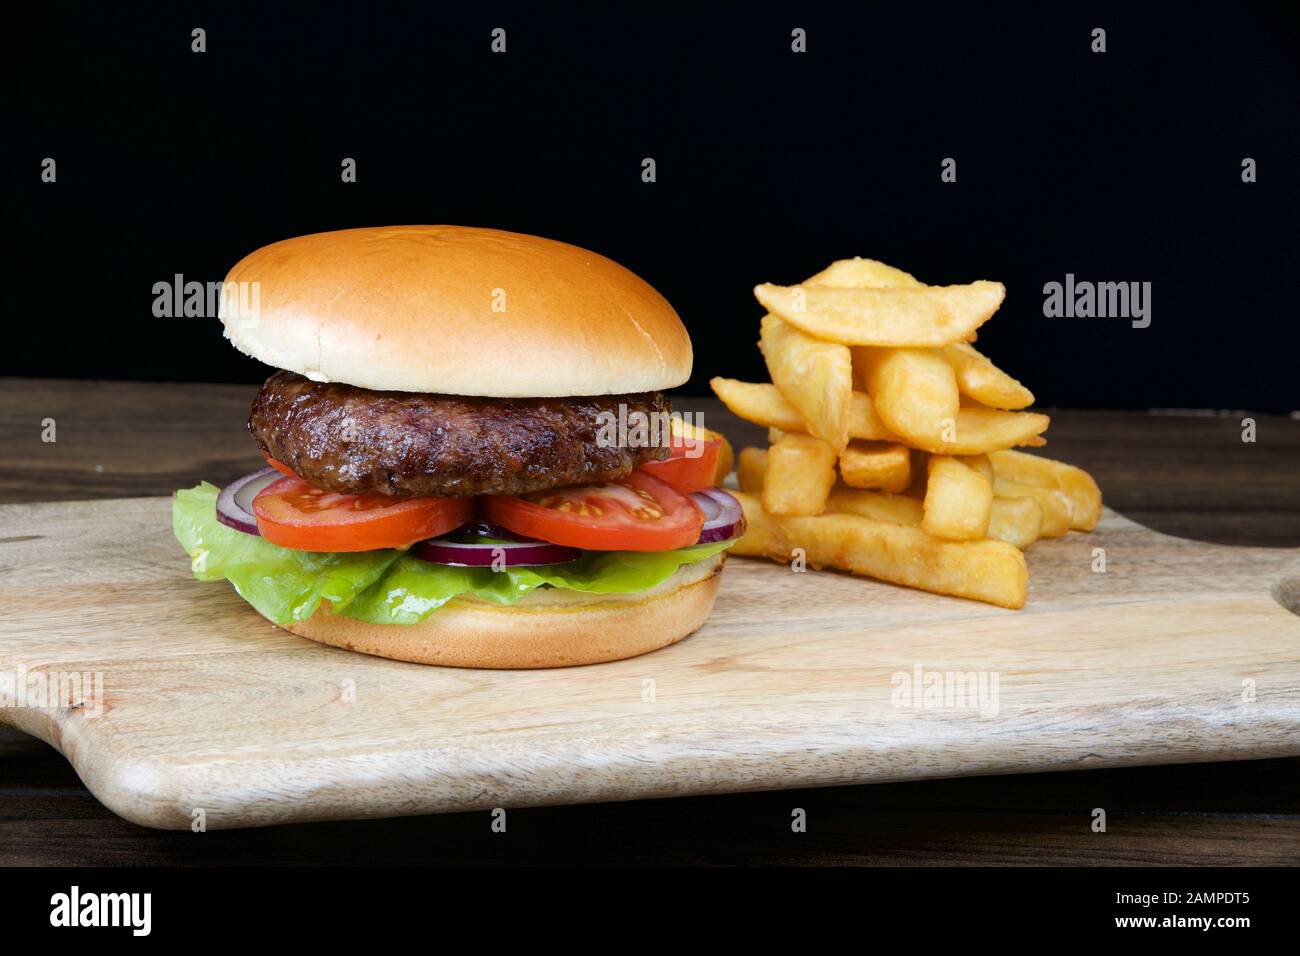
[410, 445]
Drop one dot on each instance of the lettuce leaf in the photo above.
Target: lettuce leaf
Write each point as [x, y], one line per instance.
[390, 586]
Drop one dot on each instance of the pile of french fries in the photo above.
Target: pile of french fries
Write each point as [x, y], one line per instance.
[891, 438]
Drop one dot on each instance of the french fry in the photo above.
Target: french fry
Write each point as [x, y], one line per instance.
[958, 501]
[854, 501]
[858, 273]
[863, 420]
[758, 402]
[815, 376]
[980, 430]
[1077, 484]
[882, 465]
[919, 316]
[930, 493]
[981, 463]
[990, 571]
[763, 404]
[914, 392]
[1017, 521]
[880, 505]
[726, 456]
[764, 536]
[800, 473]
[982, 380]
[1057, 510]
[750, 468]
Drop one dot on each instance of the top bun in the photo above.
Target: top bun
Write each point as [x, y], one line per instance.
[455, 310]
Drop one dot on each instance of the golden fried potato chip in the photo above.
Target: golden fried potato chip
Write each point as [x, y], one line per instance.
[958, 501]
[800, 473]
[980, 430]
[990, 571]
[857, 273]
[882, 465]
[763, 404]
[1017, 521]
[815, 376]
[1077, 484]
[914, 392]
[983, 381]
[981, 463]
[885, 316]
[1057, 510]
[750, 468]
[880, 505]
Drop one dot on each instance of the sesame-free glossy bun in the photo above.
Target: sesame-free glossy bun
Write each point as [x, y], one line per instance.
[455, 310]
[546, 628]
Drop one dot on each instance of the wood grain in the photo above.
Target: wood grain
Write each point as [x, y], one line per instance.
[1186, 474]
[207, 706]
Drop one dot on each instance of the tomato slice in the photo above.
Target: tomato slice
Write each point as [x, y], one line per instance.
[279, 466]
[684, 473]
[293, 514]
[638, 513]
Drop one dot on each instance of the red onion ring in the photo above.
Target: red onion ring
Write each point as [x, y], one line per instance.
[235, 503]
[724, 518]
[515, 554]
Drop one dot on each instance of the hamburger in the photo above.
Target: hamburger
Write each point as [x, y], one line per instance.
[470, 457]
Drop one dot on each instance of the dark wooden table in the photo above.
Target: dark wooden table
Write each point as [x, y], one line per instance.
[1187, 474]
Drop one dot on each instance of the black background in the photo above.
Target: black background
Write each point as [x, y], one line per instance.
[1021, 906]
[1119, 166]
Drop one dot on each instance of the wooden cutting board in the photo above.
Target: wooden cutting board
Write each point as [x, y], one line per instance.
[1178, 652]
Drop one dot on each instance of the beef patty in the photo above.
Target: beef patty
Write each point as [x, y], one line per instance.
[409, 445]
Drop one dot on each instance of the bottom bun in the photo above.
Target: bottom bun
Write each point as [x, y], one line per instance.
[549, 627]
